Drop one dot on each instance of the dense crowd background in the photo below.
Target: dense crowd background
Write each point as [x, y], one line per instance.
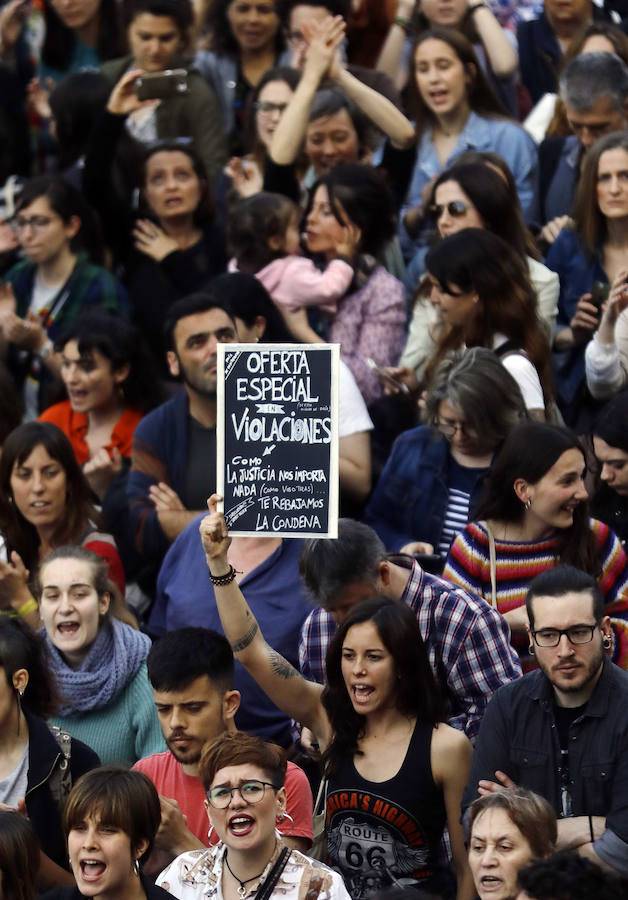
[439, 695]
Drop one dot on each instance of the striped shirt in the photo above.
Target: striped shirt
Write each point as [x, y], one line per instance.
[518, 562]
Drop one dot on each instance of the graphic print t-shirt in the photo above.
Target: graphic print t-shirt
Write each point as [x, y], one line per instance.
[386, 833]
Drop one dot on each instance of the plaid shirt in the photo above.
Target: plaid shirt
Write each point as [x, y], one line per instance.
[466, 639]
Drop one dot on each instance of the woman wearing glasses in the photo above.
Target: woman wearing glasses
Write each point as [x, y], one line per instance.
[433, 477]
[534, 514]
[45, 292]
[244, 777]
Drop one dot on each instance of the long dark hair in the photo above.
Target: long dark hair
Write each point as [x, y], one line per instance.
[478, 260]
[491, 197]
[20, 534]
[589, 222]
[22, 648]
[480, 97]
[529, 452]
[122, 344]
[223, 41]
[418, 693]
[59, 40]
[19, 856]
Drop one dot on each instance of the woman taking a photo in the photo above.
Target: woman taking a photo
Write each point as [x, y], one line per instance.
[456, 111]
[38, 762]
[433, 477]
[45, 502]
[535, 515]
[485, 299]
[379, 725]
[110, 820]
[98, 661]
[244, 779]
[587, 257]
[45, 292]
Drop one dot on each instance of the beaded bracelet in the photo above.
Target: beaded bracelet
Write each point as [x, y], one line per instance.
[27, 607]
[222, 580]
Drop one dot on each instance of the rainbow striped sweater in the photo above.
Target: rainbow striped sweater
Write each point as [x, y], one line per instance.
[518, 562]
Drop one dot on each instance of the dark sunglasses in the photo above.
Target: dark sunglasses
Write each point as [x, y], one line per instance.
[455, 208]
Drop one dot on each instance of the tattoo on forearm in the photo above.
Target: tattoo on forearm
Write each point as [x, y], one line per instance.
[246, 639]
[281, 666]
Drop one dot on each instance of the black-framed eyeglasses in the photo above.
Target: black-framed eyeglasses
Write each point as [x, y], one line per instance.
[266, 107]
[448, 429]
[251, 792]
[577, 634]
[455, 208]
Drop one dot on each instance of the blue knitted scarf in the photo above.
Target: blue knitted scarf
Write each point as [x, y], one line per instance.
[111, 662]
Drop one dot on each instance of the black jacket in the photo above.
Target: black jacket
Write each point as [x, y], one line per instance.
[44, 758]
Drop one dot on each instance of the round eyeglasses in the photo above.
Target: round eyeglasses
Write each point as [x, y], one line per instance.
[251, 792]
[448, 429]
[577, 634]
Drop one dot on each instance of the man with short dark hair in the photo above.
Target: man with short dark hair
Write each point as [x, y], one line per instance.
[173, 457]
[468, 642]
[568, 876]
[562, 731]
[191, 671]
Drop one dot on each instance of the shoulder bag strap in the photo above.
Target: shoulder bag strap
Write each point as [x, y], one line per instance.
[492, 555]
[265, 890]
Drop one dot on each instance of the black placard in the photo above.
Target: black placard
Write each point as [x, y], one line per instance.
[277, 436]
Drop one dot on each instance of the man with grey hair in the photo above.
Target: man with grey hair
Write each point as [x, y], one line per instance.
[467, 641]
[594, 89]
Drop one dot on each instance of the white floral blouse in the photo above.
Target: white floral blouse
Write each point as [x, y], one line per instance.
[197, 875]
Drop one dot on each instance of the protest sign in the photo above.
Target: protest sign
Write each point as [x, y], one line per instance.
[277, 438]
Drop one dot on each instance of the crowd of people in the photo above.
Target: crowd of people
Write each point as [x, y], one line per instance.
[435, 703]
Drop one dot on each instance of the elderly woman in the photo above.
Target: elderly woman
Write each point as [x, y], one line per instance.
[508, 830]
[435, 472]
[244, 777]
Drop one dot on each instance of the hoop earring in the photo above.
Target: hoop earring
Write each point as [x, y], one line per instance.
[527, 504]
[286, 815]
[209, 834]
[531, 649]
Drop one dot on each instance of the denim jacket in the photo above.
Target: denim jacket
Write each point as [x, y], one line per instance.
[410, 499]
[518, 736]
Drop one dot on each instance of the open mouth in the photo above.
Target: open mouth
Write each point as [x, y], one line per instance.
[241, 825]
[361, 693]
[491, 882]
[92, 869]
[40, 504]
[68, 627]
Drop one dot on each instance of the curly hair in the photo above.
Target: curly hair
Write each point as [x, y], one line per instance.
[417, 690]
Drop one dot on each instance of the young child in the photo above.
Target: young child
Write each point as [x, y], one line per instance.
[263, 238]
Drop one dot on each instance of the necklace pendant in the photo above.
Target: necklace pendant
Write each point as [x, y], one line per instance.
[242, 891]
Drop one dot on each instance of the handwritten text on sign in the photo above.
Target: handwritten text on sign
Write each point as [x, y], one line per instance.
[277, 438]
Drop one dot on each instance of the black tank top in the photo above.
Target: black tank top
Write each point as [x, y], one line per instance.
[386, 833]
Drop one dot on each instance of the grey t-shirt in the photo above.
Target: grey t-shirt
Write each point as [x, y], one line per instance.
[13, 787]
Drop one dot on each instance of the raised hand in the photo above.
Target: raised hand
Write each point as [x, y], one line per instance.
[214, 535]
[152, 240]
